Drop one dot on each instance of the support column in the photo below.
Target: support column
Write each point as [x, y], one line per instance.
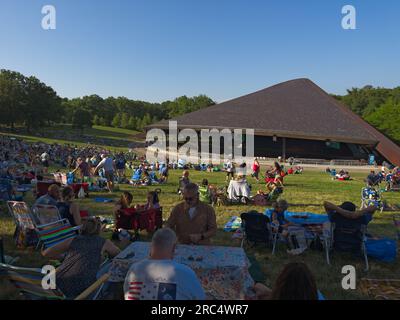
[283, 148]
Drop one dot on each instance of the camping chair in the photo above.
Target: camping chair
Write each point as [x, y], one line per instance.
[28, 281]
[25, 227]
[45, 214]
[371, 197]
[55, 232]
[256, 228]
[348, 235]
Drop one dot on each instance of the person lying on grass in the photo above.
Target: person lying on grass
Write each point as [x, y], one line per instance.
[295, 282]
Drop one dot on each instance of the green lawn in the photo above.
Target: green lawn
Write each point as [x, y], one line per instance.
[305, 192]
[106, 137]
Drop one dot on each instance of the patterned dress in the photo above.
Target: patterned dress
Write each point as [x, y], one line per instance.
[79, 268]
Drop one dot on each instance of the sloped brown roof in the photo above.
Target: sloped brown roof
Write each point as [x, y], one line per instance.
[294, 109]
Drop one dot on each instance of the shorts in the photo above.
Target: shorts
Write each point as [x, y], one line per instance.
[109, 176]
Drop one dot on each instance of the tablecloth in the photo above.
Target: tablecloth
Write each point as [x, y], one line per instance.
[223, 271]
[238, 188]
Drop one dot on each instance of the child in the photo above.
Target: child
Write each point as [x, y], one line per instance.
[278, 217]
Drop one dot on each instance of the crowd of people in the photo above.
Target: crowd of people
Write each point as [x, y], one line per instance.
[193, 221]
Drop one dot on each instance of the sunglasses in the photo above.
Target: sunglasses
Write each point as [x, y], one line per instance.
[189, 199]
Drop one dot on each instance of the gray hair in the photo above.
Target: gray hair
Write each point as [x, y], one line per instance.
[164, 239]
[191, 187]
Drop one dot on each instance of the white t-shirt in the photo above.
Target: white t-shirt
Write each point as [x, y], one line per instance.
[162, 280]
[44, 156]
[107, 164]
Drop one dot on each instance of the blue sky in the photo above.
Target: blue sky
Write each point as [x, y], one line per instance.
[156, 50]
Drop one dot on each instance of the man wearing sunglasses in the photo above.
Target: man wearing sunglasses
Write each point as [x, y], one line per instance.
[193, 221]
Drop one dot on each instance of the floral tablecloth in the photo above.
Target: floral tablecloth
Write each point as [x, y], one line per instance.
[223, 271]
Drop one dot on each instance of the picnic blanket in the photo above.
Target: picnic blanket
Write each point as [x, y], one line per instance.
[233, 224]
[100, 199]
[222, 271]
[302, 218]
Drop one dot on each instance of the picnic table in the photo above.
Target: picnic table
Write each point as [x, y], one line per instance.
[222, 271]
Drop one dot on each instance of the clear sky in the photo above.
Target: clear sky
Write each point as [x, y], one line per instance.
[156, 50]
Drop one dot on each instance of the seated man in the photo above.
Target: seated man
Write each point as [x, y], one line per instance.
[161, 278]
[51, 197]
[193, 221]
[348, 210]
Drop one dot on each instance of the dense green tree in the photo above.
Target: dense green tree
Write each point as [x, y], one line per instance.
[81, 118]
[116, 122]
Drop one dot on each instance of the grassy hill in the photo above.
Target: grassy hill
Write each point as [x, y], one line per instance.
[107, 137]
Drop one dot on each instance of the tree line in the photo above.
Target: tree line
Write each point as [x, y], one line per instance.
[28, 102]
[378, 106]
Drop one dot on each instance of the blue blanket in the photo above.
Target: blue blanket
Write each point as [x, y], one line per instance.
[301, 217]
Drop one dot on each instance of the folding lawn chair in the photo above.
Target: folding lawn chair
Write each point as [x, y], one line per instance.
[348, 235]
[371, 197]
[28, 281]
[256, 228]
[25, 227]
[53, 233]
[45, 214]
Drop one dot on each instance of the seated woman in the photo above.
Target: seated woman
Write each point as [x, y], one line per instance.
[153, 202]
[278, 217]
[295, 282]
[123, 203]
[68, 208]
[83, 258]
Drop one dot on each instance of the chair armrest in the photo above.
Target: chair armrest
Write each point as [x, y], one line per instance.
[93, 287]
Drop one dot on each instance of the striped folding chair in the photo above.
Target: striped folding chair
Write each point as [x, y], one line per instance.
[45, 214]
[55, 232]
[28, 281]
[25, 227]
